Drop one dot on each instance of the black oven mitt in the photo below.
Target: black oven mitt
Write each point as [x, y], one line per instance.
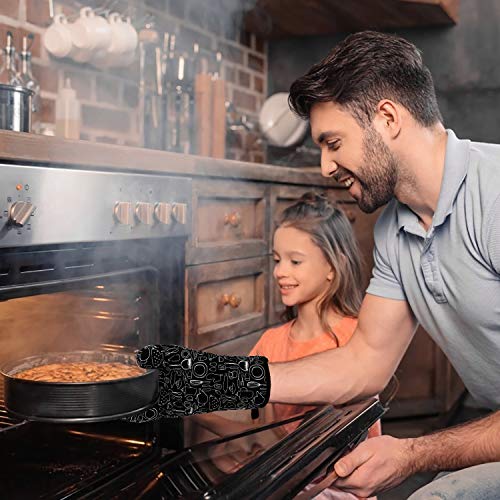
[193, 381]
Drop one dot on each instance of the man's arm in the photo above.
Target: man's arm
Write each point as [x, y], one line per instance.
[381, 463]
[362, 368]
[469, 444]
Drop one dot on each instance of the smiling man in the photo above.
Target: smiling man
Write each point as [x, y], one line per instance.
[373, 112]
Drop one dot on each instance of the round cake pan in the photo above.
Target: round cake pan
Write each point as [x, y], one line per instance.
[78, 402]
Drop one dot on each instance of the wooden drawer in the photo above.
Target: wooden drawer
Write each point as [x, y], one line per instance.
[225, 300]
[230, 221]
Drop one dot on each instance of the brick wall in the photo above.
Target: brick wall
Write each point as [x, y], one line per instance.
[110, 97]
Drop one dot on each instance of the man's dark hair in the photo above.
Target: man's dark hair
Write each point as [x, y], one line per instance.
[363, 69]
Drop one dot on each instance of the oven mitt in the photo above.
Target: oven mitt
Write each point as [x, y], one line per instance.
[193, 381]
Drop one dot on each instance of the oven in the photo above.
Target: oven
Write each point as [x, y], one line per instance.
[88, 261]
[95, 260]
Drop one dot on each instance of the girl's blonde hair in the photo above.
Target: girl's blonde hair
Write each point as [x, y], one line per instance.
[331, 231]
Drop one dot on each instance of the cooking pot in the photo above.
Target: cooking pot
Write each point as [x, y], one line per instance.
[15, 108]
[77, 402]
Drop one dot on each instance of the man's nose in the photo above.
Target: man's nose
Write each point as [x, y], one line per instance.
[328, 165]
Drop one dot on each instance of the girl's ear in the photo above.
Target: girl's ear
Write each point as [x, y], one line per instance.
[329, 276]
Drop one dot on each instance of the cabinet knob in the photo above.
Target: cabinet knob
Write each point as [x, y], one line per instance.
[232, 219]
[230, 299]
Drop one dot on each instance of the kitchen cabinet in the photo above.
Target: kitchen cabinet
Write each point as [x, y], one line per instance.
[284, 18]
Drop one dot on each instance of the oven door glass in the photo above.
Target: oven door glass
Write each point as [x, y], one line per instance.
[110, 311]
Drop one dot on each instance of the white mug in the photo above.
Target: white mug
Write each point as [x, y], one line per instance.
[122, 39]
[89, 33]
[57, 38]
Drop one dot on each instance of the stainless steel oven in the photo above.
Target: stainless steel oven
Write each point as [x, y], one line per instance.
[95, 260]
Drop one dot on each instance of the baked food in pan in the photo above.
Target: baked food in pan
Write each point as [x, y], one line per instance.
[86, 371]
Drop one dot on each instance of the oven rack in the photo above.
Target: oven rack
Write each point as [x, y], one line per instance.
[7, 421]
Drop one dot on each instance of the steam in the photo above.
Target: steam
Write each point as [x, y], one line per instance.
[68, 321]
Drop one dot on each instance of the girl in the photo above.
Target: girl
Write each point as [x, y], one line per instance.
[318, 272]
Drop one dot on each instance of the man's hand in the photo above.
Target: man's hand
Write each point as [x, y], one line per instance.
[375, 465]
[193, 381]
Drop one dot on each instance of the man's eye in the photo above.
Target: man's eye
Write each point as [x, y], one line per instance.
[334, 145]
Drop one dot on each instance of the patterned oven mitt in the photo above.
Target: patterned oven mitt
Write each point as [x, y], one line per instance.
[193, 381]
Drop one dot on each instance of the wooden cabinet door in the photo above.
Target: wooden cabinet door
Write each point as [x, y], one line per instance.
[230, 221]
[225, 300]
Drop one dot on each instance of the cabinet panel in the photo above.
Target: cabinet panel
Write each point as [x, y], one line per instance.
[230, 221]
[428, 384]
[226, 300]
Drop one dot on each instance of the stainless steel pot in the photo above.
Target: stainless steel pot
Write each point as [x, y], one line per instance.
[15, 108]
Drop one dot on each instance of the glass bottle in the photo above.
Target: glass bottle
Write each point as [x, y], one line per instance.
[8, 71]
[26, 75]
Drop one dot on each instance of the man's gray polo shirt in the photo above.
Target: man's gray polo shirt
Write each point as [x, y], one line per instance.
[450, 275]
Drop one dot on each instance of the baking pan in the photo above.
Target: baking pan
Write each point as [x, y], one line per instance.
[77, 402]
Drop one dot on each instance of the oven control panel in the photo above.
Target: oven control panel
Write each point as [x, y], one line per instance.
[47, 205]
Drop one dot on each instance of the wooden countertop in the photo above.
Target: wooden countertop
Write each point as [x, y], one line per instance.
[22, 148]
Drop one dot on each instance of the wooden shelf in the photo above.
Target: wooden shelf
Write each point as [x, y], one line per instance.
[284, 18]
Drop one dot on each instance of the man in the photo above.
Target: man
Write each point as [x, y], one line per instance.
[373, 112]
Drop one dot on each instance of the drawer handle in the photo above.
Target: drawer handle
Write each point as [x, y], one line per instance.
[233, 219]
[231, 299]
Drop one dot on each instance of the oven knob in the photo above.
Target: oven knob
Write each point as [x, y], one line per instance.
[179, 212]
[20, 212]
[163, 212]
[123, 212]
[144, 212]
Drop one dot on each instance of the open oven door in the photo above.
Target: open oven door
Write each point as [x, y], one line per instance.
[277, 460]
